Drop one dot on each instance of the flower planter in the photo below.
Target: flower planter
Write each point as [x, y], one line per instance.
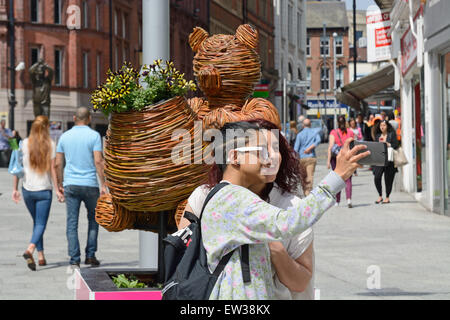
[97, 284]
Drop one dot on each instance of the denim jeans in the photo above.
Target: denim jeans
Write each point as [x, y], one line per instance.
[74, 196]
[38, 204]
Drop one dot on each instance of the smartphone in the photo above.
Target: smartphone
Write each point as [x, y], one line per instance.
[378, 153]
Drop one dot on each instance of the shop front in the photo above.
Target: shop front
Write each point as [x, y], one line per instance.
[437, 82]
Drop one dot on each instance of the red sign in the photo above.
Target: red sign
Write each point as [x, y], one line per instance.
[382, 39]
[408, 46]
[262, 87]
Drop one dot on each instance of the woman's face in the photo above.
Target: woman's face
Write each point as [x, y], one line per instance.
[261, 166]
[383, 127]
[353, 124]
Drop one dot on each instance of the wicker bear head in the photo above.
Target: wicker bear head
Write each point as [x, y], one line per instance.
[227, 67]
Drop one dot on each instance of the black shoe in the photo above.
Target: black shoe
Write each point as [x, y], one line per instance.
[74, 265]
[92, 261]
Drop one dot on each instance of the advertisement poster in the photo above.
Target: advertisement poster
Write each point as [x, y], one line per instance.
[378, 40]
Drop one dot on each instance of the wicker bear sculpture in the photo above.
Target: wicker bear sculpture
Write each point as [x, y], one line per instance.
[227, 68]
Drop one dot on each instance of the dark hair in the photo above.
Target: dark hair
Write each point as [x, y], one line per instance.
[342, 124]
[389, 127]
[290, 175]
[238, 128]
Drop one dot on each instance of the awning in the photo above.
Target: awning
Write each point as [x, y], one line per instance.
[355, 92]
[384, 4]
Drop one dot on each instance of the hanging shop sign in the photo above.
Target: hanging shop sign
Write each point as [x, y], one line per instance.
[408, 46]
[379, 41]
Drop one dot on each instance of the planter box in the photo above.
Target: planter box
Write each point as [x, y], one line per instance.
[97, 284]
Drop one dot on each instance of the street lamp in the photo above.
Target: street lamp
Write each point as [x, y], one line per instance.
[334, 77]
[12, 68]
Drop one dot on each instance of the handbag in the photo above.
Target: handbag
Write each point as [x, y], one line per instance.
[335, 149]
[399, 158]
[16, 162]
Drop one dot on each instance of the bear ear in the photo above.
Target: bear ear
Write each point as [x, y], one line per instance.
[247, 35]
[197, 37]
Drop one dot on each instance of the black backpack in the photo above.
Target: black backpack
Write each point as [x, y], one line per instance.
[187, 276]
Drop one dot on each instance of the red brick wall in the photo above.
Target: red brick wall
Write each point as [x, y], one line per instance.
[315, 60]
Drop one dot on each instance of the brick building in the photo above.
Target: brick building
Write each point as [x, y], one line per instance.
[227, 15]
[77, 39]
[321, 75]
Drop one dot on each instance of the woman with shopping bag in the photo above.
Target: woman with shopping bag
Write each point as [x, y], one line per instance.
[384, 132]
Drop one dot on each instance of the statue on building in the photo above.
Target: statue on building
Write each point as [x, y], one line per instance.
[41, 78]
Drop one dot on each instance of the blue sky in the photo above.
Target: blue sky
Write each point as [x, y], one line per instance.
[360, 4]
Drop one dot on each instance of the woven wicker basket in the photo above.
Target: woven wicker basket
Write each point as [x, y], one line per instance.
[139, 169]
[116, 218]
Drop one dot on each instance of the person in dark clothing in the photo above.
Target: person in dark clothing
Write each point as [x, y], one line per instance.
[384, 132]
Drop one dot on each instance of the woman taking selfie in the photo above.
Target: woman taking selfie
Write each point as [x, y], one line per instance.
[236, 215]
[384, 132]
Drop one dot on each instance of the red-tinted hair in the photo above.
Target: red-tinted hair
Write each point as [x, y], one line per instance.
[290, 175]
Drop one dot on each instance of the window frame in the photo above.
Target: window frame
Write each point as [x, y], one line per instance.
[85, 64]
[58, 13]
[308, 46]
[59, 74]
[85, 8]
[327, 79]
[322, 47]
[36, 12]
[341, 45]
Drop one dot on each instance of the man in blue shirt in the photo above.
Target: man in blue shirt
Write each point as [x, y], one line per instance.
[305, 144]
[5, 149]
[81, 147]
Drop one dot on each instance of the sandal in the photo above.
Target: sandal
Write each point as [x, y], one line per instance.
[30, 261]
[385, 202]
[42, 262]
[379, 201]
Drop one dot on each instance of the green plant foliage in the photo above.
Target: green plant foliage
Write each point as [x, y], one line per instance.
[121, 281]
[122, 91]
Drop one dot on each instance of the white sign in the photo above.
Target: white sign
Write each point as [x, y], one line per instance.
[378, 41]
[408, 46]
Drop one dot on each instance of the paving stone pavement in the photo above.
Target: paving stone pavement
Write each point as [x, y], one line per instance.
[407, 246]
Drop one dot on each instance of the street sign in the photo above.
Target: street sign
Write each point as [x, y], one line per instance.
[299, 84]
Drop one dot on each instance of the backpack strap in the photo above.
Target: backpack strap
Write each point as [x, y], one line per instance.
[245, 264]
[211, 194]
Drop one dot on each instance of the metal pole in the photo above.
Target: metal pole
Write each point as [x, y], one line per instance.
[324, 70]
[355, 54]
[12, 47]
[155, 45]
[111, 36]
[334, 78]
[283, 114]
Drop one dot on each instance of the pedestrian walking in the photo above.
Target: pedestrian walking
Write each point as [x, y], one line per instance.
[361, 125]
[39, 153]
[356, 130]
[301, 118]
[5, 149]
[386, 134]
[305, 145]
[338, 137]
[81, 148]
[292, 133]
[235, 216]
